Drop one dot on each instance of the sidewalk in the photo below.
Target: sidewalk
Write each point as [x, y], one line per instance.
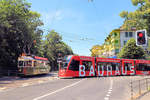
[8, 82]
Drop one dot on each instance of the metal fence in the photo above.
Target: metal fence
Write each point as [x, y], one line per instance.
[139, 88]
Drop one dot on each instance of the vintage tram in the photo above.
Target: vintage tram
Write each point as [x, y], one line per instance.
[32, 65]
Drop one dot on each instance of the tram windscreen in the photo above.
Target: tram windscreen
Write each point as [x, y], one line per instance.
[65, 62]
[21, 63]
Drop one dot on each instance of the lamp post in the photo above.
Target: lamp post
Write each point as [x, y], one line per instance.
[59, 60]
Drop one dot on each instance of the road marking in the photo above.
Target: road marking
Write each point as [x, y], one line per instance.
[107, 95]
[109, 91]
[61, 89]
[106, 98]
[25, 84]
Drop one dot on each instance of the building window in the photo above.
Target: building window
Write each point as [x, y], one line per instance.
[115, 34]
[126, 34]
[117, 50]
[116, 41]
[130, 34]
[125, 42]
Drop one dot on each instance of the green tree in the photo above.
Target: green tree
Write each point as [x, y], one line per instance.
[95, 51]
[131, 51]
[140, 18]
[54, 45]
[18, 29]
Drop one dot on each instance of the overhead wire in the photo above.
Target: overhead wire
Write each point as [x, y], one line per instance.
[69, 35]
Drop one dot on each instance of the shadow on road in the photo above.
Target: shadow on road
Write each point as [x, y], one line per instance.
[10, 79]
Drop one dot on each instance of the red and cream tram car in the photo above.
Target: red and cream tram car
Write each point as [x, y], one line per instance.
[32, 65]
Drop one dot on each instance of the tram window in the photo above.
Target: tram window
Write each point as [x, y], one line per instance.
[25, 63]
[143, 67]
[74, 65]
[148, 67]
[104, 64]
[42, 63]
[128, 65]
[20, 63]
[35, 63]
[87, 65]
[114, 65]
[64, 64]
[29, 63]
[46, 63]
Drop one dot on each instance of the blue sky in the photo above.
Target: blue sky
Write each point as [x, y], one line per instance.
[81, 24]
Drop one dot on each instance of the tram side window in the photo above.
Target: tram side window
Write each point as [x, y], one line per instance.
[143, 67]
[105, 64]
[128, 65]
[35, 63]
[114, 65]
[21, 63]
[100, 64]
[28, 63]
[148, 67]
[25, 63]
[87, 65]
[74, 65]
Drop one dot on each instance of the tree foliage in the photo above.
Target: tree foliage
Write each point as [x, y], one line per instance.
[18, 29]
[131, 51]
[140, 18]
[53, 45]
[95, 51]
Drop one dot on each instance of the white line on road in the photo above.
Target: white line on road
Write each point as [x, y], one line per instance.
[109, 91]
[40, 97]
[25, 84]
[106, 98]
[107, 95]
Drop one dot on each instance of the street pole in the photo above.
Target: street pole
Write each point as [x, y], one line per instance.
[59, 60]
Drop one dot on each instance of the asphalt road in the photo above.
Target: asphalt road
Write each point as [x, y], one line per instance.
[101, 88]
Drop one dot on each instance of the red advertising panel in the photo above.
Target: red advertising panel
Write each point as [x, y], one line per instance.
[87, 66]
[108, 67]
[128, 67]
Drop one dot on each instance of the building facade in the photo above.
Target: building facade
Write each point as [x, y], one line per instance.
[125, 36]
[115, 42]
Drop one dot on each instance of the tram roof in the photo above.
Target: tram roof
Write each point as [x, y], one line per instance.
[32, 58]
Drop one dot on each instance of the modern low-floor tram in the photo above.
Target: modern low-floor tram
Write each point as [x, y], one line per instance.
[83, 66]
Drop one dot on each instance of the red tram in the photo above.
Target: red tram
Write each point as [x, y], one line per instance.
[83, 66]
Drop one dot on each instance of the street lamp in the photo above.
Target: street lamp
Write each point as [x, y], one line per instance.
[59, 60]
